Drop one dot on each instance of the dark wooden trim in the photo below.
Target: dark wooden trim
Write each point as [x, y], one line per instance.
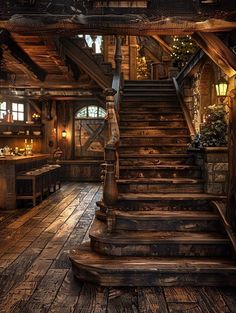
[114, 24]
[188, 68]
[20, 55]
[187, 116]
[216, 49]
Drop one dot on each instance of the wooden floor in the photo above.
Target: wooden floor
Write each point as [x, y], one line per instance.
[36, 275]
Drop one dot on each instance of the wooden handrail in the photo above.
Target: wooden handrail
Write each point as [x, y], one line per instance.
[186, 70]
[185, 109]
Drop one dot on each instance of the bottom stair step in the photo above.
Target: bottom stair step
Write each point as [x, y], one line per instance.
[146, 271]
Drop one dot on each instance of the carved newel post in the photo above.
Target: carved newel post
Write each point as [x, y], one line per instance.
[110, 191]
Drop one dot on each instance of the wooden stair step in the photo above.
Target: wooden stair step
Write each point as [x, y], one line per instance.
[144, 136]
[169, 196]
[160, 220]
[154, 243]
[167, 145]
[159, 171]
[151, 271]
[174, 181]
[155, 159]
[157, 155]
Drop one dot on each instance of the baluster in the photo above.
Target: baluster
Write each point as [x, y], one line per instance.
[118, 54]
[93, 37]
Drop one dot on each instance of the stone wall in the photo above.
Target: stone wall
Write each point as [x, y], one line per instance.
[214, 164]
[216, 170]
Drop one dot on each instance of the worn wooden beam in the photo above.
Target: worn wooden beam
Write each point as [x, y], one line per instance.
[216, 49]
[19, 54]
[163, 44]
[77, 54]
[111, 25]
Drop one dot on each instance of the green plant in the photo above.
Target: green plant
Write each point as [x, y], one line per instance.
[214, 130]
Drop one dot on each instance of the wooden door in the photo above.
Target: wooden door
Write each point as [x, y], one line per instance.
[89, 137]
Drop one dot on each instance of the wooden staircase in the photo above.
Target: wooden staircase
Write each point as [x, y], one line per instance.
[164, 230]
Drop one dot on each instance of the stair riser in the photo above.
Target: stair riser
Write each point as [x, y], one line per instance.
[155, 277]
[167, 225]
[165, 205]
[148, 97]
[161, 250]
[155, 161]
[178, 124]
[143, 105]
[150, 110]
[153, 132]
[126, 150]
[153, 116]
[160, 188]
[159, 173]
[158, 140]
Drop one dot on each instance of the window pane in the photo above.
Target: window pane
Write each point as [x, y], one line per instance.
[3, 106]
[2, 113]
[20, 107]
[101, 112]
[14, 106]
[92, 111]
[82, 113]
[20, 116]
[15, 117]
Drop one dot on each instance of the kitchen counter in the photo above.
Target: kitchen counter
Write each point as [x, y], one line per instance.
[9, 167]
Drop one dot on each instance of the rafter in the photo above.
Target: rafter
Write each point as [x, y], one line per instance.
[163, 44]
[216, 49]
[20, 55]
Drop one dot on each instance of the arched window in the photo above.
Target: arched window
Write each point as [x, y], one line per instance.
[90, 111]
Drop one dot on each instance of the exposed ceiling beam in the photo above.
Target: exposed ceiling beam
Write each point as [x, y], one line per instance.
[20, 55]
[163, 44]
[111, 25]
[216, 49]
[77, 54]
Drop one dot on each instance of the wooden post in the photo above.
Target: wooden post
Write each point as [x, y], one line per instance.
[94, 37]
[118, 54]
[133, 53]
[110, 190]
[231, 200]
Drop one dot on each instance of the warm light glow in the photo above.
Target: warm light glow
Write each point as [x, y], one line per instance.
[221, 87]
[64, 134]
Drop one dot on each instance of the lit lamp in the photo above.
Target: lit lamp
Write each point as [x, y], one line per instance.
[64, 134]
[221, 88]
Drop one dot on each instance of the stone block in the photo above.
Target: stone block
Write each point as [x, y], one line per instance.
[209, 167]
[220, 178]
[221, 167]
[214, 188]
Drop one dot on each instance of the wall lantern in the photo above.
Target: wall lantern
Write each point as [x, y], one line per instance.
[64, 134]
[221, 89]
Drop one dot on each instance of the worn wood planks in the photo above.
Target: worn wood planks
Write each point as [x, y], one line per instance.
[36, 277]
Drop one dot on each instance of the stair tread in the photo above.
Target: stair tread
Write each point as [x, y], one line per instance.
[161, 180]
[158, 237]
[157, 264]
[170, 196]
[161, 214]
[159, 166]
[156, 144]
[153, 136]
[154, 155]
[151, 127]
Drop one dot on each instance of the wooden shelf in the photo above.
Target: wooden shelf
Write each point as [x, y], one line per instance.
[15, 124]
[21, 136]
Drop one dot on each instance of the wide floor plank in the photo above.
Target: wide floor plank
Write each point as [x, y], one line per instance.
[36, 275]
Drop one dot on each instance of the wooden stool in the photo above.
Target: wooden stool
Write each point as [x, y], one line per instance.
[29, 186]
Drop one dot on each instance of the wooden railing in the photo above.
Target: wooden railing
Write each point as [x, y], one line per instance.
[185, 109]
[184, 73]
[111, 170]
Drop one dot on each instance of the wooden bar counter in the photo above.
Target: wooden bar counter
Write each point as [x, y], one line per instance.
[9, 167]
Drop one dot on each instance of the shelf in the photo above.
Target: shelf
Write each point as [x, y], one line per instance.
[21, 136]
[17, 124]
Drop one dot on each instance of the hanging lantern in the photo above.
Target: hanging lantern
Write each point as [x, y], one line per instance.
[64, 134]
[221, 87]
